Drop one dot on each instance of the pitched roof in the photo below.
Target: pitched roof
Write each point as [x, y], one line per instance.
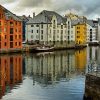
[25, 18]
[46, 17]
[78, 21]
[92, 23]
[9, 14]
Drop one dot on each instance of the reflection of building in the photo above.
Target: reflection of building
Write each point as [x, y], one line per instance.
[50, 68]
[92, 53]
[81, 59]
[10, 72]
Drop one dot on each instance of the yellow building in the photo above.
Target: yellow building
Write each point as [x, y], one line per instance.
[80, 33]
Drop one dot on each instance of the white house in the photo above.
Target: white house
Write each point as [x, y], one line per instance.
[91, 31]
[48, 28]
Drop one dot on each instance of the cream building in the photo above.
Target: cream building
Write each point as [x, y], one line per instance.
[47, 28]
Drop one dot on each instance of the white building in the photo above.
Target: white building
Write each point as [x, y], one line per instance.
[91, 31]
[70, 31]
[47, 27]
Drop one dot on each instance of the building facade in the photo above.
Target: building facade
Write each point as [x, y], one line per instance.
[91, 31]
[47, 28]
[80, 31]
[10, 30]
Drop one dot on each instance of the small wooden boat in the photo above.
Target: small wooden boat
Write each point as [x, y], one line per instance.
[44, 48]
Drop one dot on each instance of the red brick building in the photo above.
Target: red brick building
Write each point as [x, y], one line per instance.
[10, 30]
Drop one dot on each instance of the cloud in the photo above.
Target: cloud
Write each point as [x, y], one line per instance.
[34, 3]
[7, 1]
[82, 7]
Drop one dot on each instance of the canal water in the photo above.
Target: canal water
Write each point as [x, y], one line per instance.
[58, 75]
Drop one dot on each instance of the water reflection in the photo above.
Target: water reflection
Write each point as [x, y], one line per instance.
[10, 72]
[62, 70]
[50, 68]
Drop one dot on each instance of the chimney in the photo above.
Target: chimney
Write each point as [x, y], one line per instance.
[33, 14]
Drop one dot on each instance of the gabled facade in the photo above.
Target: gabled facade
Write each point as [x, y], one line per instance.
[72, 23]
[47, 28]
[10, 30]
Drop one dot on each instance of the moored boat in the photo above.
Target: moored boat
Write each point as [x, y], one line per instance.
[44, 48]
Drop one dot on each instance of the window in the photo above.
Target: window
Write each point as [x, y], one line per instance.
[19, 36]
[61, 26]
[5, 44]
[11, 44]
[15, 30]
[37, 25]
[41, 31]
[32, 25]
[31, 31]
[37, 31]
[15, 43]
[15, 36]
[41, 37]
[11, 38]
[41, 25]
[16, 23]
[11, 23]
[5, 36]
[11, 30]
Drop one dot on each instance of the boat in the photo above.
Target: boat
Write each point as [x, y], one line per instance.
[44, 48]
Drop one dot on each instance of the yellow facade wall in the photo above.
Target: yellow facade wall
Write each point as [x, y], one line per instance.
[80, 34]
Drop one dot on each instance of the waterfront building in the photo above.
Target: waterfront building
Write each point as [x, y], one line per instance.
[48, 28]
[76, 30]
[70, 31]
[24, 20]
[80, 33]
[91, 31]
[10, 30]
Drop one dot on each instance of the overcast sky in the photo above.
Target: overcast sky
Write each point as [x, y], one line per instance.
[88, 8]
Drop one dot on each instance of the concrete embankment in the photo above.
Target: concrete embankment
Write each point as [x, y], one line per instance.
[92, 86]
[32, 48]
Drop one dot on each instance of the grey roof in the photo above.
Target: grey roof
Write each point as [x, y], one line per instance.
[46, 17]
[9, 14]
[78, 21]
[25, 18]
[92, 23]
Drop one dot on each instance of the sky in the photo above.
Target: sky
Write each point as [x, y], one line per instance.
[88, 8]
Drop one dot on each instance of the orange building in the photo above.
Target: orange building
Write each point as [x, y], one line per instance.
[10, 72]
[10, 30]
